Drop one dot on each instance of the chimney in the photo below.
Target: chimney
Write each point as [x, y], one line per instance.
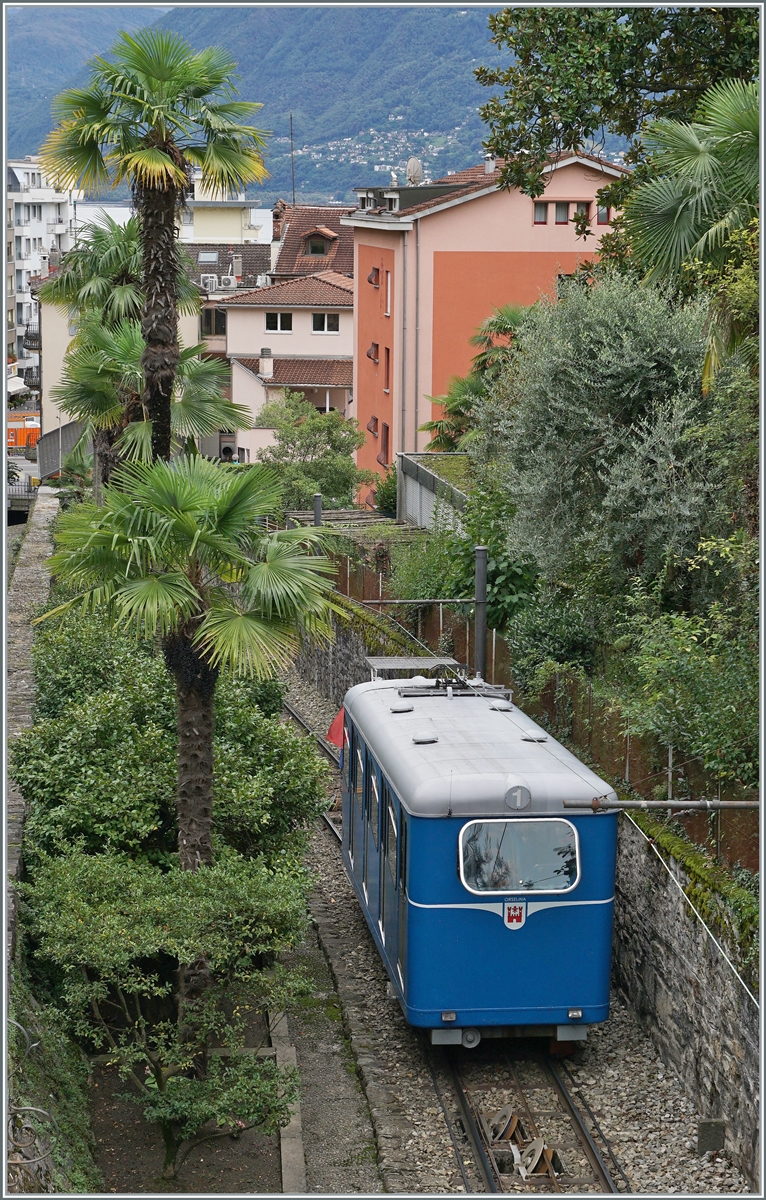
[489, 164]
[265, 363]
[236, 261]
[43, 266]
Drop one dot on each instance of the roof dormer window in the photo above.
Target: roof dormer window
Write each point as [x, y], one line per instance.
[317, 245]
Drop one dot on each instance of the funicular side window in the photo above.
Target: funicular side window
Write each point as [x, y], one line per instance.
[373, 804]
[539, 855]
[391, 839]
[358, 797]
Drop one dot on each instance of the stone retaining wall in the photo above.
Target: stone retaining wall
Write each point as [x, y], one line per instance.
[333, 669]
[29, 589]
[684, 993]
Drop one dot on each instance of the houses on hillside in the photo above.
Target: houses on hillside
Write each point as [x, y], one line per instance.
[366, 309]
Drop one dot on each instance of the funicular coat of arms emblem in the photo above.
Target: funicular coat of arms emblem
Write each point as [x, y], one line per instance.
[514, 913]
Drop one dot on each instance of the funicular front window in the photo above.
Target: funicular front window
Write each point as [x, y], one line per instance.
[519, 856]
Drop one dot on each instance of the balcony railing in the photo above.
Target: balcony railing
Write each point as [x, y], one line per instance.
[32, 379]
[23, 254]
[22, 222]
[31, 338]
[58, 226]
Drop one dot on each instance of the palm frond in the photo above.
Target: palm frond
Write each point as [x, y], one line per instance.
[246, 642]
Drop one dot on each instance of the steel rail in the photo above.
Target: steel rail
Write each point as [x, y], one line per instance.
[331, 751]
[471, 1127]
[589, 1146]
[600, 1132]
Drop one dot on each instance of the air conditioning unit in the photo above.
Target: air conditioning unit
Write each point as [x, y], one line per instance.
[228, 282]
[209, 282]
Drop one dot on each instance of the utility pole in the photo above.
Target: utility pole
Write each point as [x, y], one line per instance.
[480, 613]
[292, 156]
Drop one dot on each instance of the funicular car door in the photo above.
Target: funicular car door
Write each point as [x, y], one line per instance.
[389, 871]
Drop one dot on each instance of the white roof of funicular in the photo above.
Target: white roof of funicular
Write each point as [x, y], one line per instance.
[481, 753]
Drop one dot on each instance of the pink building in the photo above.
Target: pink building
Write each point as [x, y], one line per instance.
[431, 262]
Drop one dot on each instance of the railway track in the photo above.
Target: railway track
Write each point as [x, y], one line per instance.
[513, 1122]
[516, 1127]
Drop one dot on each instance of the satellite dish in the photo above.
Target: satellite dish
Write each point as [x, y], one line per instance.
[414, 171]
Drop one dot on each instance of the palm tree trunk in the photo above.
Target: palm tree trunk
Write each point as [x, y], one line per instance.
[195, 688]
[105, 459]
[159, 320]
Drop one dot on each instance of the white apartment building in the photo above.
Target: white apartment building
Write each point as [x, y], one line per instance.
[223, 219]
[39, 229]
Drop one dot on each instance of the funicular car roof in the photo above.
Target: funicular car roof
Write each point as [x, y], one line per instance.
[480, 754]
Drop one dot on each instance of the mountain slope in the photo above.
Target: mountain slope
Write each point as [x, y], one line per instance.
[47, 48]
[345, 72]
[391, 81]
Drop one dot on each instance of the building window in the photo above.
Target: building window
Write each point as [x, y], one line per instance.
[392, 203]
[373, 352]
[382, 458]
[213, 322]
[562, 212]
[582, 208]
[386, 370]
[325, 322]
[387, 312]
[372, 426]
[207, 256]
[541, 213]
[374, 277]
[279, 322]
[317, 245]
[603, 215]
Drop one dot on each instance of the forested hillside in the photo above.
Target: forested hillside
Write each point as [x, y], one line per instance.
[367, 86]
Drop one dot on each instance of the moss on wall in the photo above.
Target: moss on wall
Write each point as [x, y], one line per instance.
[51, 1075]
[730, 910]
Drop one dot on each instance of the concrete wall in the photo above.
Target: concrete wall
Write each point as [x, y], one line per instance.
[697, 1012]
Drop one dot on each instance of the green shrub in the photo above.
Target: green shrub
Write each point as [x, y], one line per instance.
[385, 493]
[156, 967]
[101, 769]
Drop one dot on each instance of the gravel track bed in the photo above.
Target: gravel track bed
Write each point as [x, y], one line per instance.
[640, 1104]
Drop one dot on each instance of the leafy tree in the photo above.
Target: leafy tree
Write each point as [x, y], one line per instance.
[443, 564]
[152, 112]
[178, 552]
[123, 939]
[591, 430]
[581, 73]
[102, 386]
[102, 272]
[313, 452]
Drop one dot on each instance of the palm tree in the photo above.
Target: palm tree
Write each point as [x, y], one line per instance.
[179, 551]
[704, 198]
[453, 430]
[706, 185]
[150, 115]
[494, 337]
[102, 272]
[101, 385]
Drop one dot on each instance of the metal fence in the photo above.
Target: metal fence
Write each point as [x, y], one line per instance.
[54, 446]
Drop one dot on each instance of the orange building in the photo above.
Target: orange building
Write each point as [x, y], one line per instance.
[431, 262]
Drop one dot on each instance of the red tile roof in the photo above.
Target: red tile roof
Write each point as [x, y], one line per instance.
[305, 372]
[327, 290]
[297, 224]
